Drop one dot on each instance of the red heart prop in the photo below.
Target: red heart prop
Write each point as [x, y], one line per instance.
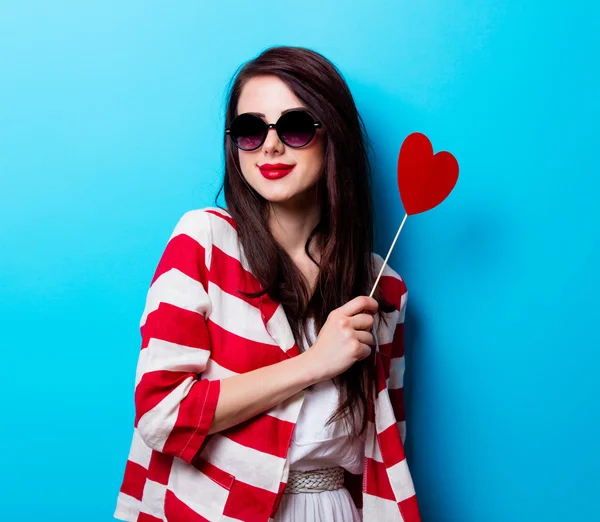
[424, 179]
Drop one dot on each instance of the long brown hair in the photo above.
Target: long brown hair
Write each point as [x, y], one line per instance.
[345, 230]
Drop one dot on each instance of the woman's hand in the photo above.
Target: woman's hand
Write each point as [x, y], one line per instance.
[343, 340]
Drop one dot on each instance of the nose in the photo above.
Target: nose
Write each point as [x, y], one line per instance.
[272, 142]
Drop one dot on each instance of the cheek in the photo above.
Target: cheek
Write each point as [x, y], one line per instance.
[316, 160]
[247, 163]
[318, 151]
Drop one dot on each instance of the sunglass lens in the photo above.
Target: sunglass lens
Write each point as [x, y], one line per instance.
[247, 131]
[296, 128]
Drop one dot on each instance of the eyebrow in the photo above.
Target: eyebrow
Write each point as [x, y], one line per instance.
[261, 115]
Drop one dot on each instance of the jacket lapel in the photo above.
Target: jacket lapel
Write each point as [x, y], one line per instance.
[277, 325]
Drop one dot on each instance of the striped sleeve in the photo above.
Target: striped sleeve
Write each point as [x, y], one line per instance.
[397, 365]
[174, 408]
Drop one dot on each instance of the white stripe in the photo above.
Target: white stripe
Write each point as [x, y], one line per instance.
[402, 430]
[199, 492]
[376, 508]
[403, 301]
[385, 333]
[176, 288]
[164, 355]
[279, 329]
[127, 507]
[384, 413]
[389, 271]
[195, 224]
[156, 424]
[248, 465]
[237, 316]
[371, 442]
[289, 409]
[153, 499]
[139, 452]
[401, 480]
[225, 238]
[397, 367]
[372, 449]
[377, 262]
[214, 371]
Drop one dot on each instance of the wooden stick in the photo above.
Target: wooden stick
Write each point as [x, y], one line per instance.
[388, 255]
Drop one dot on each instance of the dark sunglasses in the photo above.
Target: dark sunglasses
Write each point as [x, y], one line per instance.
[295, 128]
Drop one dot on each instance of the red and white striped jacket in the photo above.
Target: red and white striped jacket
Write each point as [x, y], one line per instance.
[197, 329]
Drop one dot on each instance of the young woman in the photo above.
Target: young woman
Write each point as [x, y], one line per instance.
[269, 383]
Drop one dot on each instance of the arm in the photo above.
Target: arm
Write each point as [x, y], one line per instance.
[175, 409]
[245, 395]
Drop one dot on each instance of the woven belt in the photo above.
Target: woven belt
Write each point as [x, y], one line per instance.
[315, 480]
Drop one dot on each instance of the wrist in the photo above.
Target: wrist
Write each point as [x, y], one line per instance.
[308, 369]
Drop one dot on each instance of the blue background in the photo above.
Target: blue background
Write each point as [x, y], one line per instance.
[111, 116]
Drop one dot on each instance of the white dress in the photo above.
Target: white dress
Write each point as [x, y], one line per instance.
[315, 446]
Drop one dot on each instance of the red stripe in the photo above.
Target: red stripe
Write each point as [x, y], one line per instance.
[385, 349]
[381, 384]
[385, 362]
[371, 411]
[238, 354]
[249, 503]
[185, 254]
[145, 517]
[263, 433]
[378, 483]
[391, 289]
[232, 277]
[177, 511]
[268, 307]
[159, 468]
[278, 498]
[195, 415]
[293, 351]
[153, 388]
[397, 400]
[176, 325]
[134, 479]
[392, 450]
[409, 508]
[398, 341]
[227, 218]
[224, 479]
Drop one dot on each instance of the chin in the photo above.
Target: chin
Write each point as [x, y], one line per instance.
[278, 198]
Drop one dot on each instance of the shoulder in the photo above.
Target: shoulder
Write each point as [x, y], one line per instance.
[392, 284]
[201, 224]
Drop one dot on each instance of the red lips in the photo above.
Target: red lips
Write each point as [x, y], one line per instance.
[275, 170]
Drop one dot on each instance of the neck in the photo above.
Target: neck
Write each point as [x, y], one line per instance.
[291, 224]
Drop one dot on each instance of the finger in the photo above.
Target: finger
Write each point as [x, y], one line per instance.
[366, 351]
[358, 304]
[365, 337]
[361, 321]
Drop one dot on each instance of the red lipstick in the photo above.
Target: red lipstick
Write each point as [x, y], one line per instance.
[275, 170]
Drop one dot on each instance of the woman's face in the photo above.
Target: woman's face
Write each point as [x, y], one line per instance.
[270, 96]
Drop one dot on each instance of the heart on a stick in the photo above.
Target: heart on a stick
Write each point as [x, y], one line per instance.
[424, 179]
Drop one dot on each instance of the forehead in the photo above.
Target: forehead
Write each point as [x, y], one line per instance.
[267, 95]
